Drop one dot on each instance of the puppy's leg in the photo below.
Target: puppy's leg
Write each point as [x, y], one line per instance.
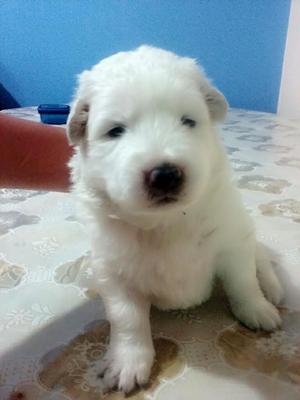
[240, 282]
[267, 278]
[130, 355]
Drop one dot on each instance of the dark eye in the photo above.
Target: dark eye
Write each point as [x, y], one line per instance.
[116, 132]
[188, 122]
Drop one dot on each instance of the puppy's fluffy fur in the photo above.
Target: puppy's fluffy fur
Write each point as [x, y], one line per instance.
[163, 253]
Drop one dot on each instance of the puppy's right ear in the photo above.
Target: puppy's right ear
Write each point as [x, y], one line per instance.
[216, 102]
[77, 122]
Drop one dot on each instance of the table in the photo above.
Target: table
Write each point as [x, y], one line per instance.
[53, 328]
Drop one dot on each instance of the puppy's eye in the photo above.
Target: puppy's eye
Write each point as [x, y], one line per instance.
[116, 132]
[188, 122]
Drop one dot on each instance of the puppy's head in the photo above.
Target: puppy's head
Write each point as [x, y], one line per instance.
[145, 123]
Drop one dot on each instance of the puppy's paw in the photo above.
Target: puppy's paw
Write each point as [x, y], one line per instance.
[269, 281]
[259, 314]
[273, 290]
[125, 367]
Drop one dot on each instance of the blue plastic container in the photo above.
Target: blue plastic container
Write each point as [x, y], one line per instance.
[55, 114]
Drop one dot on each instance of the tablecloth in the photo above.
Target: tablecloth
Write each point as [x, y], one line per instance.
[53, 330]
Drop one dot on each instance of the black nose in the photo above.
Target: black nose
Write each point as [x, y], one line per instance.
[166, 179]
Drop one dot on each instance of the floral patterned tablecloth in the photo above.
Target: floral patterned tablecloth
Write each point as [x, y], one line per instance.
[53, 329]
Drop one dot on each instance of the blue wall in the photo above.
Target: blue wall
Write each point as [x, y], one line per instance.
[45, 43]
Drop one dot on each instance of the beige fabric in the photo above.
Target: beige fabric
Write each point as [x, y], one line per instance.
[53, 330]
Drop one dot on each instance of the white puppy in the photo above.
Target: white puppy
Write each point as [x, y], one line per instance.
[164, 217]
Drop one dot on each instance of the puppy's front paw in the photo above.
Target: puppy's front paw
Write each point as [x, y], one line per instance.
[259, 314]
[273, 291]
[125, 367]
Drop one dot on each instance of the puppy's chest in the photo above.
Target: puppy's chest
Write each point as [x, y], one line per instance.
[174, 271]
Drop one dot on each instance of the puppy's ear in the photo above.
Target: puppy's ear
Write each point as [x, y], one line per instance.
[77, 122]
[78, 118]
[216, 103]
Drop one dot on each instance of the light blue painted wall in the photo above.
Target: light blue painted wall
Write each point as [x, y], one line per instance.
[45, 43]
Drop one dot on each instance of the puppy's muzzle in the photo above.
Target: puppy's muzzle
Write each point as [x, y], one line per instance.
[164, 182]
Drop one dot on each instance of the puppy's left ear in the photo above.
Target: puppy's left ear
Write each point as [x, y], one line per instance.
[216, 103]
[77, 122]
[78, 118]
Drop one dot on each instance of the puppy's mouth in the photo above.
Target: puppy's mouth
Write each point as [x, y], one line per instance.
[165, 200]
